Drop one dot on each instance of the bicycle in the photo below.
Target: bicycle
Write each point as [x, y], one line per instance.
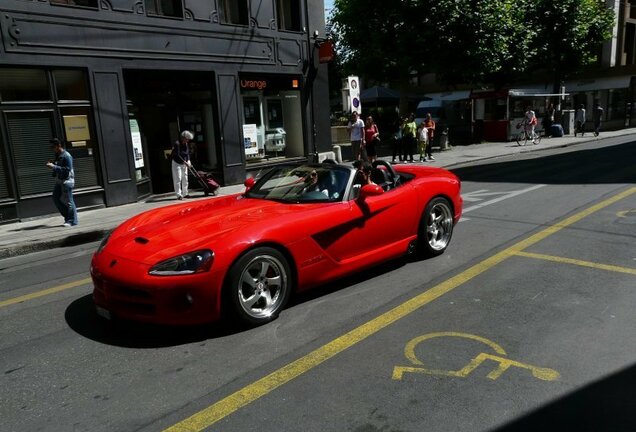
[524, 136]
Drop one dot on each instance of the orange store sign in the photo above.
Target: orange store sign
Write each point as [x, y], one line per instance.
[253, 84]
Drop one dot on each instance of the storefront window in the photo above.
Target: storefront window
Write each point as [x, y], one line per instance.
[617, 104]
[23, 85]
[30, 127]
[29, 135]
[272, 118]
[4, 184]
[70, 85]
[85, 3]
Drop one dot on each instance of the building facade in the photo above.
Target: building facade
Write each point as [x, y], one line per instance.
[117, 80]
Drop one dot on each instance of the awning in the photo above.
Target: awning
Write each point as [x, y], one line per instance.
[606, 83]
[449, 95]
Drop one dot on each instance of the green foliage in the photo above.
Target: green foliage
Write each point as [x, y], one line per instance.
[468, 41]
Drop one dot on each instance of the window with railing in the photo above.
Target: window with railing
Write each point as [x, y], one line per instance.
[289, 13]
[169, 8]
[81, 3]
[234, 12]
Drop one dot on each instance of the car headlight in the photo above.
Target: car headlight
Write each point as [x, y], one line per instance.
[190, 263]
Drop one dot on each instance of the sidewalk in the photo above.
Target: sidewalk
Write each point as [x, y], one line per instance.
[45, 233]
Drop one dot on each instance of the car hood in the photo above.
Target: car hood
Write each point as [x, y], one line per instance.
[162, 233]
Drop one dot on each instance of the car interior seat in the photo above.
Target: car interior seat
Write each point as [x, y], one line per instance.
[381, 178]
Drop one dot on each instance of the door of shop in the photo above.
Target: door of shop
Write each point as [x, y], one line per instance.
[163, 106]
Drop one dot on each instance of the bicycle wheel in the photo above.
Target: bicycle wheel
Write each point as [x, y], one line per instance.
[537, 138]
[522, 138]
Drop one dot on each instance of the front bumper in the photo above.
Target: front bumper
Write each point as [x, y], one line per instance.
[124, 289]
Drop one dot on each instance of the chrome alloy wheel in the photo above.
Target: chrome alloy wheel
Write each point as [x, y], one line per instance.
[439, 226]
[262, 287]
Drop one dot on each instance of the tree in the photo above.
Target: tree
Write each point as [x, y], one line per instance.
[480, 41]
[570, 34]
[380, 40]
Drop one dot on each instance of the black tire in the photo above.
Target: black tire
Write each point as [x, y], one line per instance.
[259, 285]
[436, 228]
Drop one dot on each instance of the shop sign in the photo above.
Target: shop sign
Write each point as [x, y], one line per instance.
[250, 140]
[269, 82]
[76, 128]
[354, 93]
[326, 52]
[138, 152]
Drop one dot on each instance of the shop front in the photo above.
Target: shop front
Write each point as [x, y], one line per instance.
[272, 119]
[37, 104]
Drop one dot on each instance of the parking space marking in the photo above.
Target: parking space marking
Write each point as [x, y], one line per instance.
[577, 262]
[252, 392]
[541, 373]
[45, 292]
[496, 200]
[625, 213]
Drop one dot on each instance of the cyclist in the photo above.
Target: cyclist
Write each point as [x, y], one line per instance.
[528, 123]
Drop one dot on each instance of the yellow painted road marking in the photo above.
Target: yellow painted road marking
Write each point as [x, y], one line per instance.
[252, 392]
[45, 292]
[581, 263]
[541, 373]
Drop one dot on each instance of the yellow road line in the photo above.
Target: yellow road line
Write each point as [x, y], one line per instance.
[252, 392]
[45, 292]
[581, 263]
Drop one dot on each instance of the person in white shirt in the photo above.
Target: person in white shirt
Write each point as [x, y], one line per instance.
[356, 130]
[422, 140]
[579, 119]
[530, 121]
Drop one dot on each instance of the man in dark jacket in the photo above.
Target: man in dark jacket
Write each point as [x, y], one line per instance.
[64, 183]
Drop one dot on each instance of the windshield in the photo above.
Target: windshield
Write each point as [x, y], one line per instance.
[305, 183]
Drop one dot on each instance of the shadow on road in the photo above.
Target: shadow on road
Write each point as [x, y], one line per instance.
[606, 405]
[81, 317]
[610, 164]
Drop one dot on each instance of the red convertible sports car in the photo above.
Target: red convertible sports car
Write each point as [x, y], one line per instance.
[295, 228]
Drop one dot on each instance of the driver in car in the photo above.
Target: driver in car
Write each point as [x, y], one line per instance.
[313, 185]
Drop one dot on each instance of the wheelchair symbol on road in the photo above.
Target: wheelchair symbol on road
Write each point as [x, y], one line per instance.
[499, 357]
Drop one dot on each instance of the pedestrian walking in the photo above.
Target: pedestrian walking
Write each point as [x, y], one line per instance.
[356, 131]
[580, 119]
[64, 175]
[430, 127]
[180, 162]
[397, 139]
[371, 139]
[548, 120]
[597, 116]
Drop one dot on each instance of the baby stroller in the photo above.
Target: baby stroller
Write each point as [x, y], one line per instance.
[207, 182]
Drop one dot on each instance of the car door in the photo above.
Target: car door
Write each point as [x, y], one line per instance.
[366, 226]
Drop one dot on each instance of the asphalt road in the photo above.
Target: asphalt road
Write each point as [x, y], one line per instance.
[525, 323]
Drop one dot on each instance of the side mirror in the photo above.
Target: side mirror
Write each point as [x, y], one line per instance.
[249, 183]
[370, 190]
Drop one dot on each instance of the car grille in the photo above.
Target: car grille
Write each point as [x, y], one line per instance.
[133, 300]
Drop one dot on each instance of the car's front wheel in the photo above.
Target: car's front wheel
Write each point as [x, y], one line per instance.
[436, 227]
[259, 285]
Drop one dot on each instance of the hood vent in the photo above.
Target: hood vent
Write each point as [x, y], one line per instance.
[141, 240]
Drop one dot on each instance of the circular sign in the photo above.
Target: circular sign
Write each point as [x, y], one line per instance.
[356, 102]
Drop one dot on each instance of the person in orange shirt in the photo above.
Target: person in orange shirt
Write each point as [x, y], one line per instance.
[429, 124]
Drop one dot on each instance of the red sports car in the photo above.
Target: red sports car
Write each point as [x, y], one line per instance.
[296, 227]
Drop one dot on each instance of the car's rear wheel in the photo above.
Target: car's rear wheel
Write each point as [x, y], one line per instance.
[259, 285]
[436, 227]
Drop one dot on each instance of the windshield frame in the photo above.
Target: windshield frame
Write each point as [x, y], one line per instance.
[294, 183]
